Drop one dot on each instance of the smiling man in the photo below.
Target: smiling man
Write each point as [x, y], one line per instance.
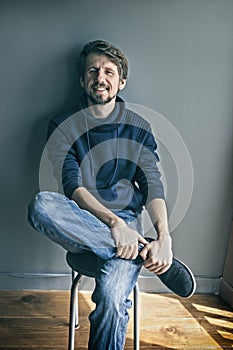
[107, 175]
[101, 80]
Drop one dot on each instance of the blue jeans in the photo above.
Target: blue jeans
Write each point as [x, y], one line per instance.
[78, 231]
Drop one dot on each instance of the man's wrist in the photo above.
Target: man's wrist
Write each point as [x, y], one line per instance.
[115, 221]
[112, 220]
[164, 235]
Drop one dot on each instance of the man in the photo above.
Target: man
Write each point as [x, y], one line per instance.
[105, 161]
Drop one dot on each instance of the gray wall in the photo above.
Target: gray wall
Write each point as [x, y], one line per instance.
[181, 65]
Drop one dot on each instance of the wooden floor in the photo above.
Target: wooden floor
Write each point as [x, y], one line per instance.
[39, 320]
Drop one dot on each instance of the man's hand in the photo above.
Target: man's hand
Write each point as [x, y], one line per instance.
[126, 240]
[158, 255]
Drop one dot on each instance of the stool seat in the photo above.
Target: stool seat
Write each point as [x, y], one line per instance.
[85, 264]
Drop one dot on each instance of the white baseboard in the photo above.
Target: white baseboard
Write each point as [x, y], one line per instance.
[26, 281]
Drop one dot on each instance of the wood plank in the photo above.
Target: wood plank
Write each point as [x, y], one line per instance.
[39, 320]
[33, 331]
[33, 304]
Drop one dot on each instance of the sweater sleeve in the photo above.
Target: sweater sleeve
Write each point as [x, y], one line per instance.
[71, 173]
[148, 175]
[61, 152]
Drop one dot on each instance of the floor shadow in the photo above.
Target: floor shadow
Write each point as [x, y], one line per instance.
[213, 314]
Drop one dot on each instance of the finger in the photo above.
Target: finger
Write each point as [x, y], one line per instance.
[124, 252]
[128, 252]
[134, 253]
[119, 250]
[152, 263]
[158, 268]
[149, 263]
[163, 269]
[143, 253]
[142, 239]
[155, 268]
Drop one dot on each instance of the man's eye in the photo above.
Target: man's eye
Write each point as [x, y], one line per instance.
[109, 72]
[92, 71]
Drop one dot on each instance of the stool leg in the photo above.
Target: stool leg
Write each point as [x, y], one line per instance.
[73, 314]
[74, 274]
[136, 317]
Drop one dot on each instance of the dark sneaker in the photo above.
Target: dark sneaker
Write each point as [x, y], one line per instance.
[178, 278]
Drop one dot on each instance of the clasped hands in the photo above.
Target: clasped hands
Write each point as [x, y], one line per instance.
[157, 255]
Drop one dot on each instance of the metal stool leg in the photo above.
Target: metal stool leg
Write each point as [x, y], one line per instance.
[73, 310]
[74, 274]
[136, 318]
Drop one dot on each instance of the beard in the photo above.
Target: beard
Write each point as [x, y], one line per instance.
[97, 98]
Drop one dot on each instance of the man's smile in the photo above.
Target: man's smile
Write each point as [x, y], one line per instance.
[100, 88]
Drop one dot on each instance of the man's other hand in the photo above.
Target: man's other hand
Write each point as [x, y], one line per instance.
[158, 255]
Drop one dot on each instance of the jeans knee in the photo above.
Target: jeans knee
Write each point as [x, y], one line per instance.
[35, 202]
[31, 210]
[36, 212]
[112, 300]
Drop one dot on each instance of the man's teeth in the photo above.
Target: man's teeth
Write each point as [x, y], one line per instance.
[100, 88]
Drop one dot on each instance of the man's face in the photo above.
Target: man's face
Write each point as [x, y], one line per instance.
[101, 80]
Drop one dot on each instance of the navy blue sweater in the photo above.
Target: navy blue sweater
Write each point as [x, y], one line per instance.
[114, 158]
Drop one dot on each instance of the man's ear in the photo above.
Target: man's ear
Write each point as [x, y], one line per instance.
[122, 84]
[81, 82]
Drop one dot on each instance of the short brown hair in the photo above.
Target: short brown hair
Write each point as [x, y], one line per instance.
[104, 48]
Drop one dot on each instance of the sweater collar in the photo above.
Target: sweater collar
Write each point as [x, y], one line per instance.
[114, 118]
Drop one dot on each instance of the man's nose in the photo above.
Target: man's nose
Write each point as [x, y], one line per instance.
[100, 76]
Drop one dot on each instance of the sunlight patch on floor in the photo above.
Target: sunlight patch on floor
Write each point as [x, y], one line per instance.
[214, 311]
[219, 322]
[226, 335]
[169, 326]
